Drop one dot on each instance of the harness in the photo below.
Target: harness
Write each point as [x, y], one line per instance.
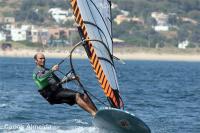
[42, 82]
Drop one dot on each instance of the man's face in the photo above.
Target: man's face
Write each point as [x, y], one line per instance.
[40, 61]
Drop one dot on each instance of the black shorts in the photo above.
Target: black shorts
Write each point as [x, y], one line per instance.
[59, 96]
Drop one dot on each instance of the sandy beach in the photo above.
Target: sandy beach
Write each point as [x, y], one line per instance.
[122, 55]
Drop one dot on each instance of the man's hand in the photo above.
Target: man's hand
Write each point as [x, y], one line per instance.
[71, 76]
[55, 67]
[75, 78]
[67, 79]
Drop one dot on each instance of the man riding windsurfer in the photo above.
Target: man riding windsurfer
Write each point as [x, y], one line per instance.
[51, 89]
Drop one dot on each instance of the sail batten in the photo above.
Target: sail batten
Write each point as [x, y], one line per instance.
[93, 16]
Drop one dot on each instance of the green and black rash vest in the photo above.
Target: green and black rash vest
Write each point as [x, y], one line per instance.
[45, 77]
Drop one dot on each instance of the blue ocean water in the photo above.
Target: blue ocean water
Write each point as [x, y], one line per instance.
[165, 95]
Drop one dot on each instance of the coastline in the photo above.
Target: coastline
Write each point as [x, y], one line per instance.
[135, 55]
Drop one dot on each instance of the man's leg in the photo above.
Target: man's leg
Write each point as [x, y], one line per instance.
[84, 102]
[71, 97]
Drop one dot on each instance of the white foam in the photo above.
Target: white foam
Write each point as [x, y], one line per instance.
[3, 105]
[78, 121]
[82, 130]
[28, 128]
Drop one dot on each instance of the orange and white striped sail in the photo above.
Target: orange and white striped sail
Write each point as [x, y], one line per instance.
[93, 16]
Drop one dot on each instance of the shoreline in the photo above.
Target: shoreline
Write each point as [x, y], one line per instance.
[137, 55]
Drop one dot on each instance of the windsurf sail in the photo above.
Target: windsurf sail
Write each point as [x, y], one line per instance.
[95, 25]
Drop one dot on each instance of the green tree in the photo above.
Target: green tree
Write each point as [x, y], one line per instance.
[172, 19]
[182, 34]
[195, 37]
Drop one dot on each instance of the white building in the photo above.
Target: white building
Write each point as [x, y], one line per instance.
[60, 16]
[18, 34]
[161, 18]
[183, 45]
[113, 6]
[162, 21]
[2, 36]
[126, 13]
[8, 27]
[161, 28]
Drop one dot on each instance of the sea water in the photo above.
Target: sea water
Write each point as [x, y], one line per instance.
[164, 94]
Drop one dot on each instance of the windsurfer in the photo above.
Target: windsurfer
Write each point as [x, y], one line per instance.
[51, 89]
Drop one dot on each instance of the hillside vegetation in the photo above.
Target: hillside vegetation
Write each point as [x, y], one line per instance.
[137, 34]
[144, 35]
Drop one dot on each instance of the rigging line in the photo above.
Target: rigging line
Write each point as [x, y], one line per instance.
[118, 59]
[93, 16]
[70, 56]
[78, 82]
[101, 42]
[73, 71]
[96, 24]
[106, 28]
[111, 56]
[110, 19]
[87, 22]
[102, 58]
[109, 1]
[63, 60]
[61, 63]
[100, 15]
[97, 99]
[62, 72]
[100, 34]
[111, 64]
[90, 23]
[101, 102]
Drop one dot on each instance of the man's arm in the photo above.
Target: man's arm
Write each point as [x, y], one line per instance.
[43, 74]
[69, 78]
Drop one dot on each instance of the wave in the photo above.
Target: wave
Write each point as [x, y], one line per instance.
[24, 128]
[3, 105]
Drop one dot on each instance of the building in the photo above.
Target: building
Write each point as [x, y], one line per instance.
[161, 28]
[1, 20]
[18, 34]
[162, 21]
[32, 35]
[189, 20]
[60, 16]
[54, 32]
[8, 27]
[121, 18]
[183, 45]
[9, 20]
[2, 36]
[44, 36]
[161, 18]
[38, 35]
[58, 34]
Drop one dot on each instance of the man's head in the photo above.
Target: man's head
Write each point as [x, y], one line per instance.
[39, 59]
